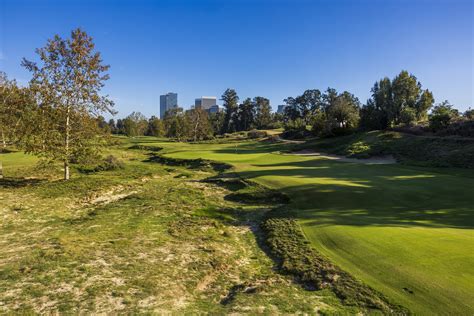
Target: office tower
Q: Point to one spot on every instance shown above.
(168, 101)
(205, 102)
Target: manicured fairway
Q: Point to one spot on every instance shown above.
(408, 232)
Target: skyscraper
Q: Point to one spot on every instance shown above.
(205, 103)
(281, 108)
(168, 101)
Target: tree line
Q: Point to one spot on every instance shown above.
(397, 102)
(59, 115)
(197, 124)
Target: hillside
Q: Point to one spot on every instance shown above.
(427, 151)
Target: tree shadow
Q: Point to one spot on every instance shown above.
(334, 193)
(252, 148)
(10, 183)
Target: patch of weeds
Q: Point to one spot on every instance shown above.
(359, 149)
(255, 193)
(18, 208)
(185, 227)
(146, 148)
(202, 164)
(183, 175)
(244, 288)
(229, 183)
(108, 164)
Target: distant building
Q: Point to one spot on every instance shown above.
(168, 101)
(205, 103)
(215, 109)
(281, 108)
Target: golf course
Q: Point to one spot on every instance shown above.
(405, 231)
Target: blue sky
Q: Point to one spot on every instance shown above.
(270, 48)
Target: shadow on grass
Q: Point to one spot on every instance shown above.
(253, 148)
(333, 193)
(18, 182)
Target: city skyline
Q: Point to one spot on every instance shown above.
(273, 49)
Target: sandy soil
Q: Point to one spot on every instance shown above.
(382, 160)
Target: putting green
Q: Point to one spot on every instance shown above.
(406, 231)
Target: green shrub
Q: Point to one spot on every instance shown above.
(256, 134)
(442, 115)
(111, 163)
(295, 129)
(408, 116)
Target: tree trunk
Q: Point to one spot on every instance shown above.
(195, 129)
(66, 159)
(66, 170)
(4, 142)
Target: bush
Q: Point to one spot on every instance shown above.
(469, 114)
(408, 116)
(414, 130)
(458, 128)
(442, 115)
(256, 134)
(111, 163)
(108, 164)
(319, 124)
(295, 129)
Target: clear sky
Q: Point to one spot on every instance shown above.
(270, 48)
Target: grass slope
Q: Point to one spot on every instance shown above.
(406, 231)
(427, 151)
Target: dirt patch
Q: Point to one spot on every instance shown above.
(110, 197)
(382, 160)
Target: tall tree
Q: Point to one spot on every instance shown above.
(155, 127)
(199, 126)
(397, 101)
(310, 103)
(67, 84)
(103, 125)
(344, 111)
(15, 103)
(120, 127)
(263, 117)
(246, 115)
(231, 104)
(382, 100)
(176, 124)
(217, 122)
(135, 124)
(406, 91)
(112, 126)
(423, 104)
(290, 111)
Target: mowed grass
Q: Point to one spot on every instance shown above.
(406, 231)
